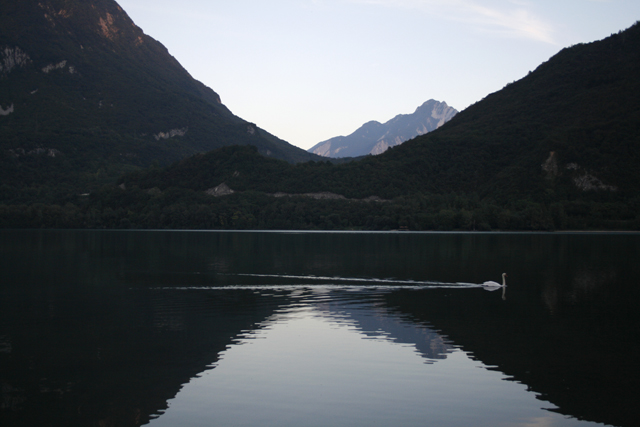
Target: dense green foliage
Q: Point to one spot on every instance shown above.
(175, 197)
(179, 208)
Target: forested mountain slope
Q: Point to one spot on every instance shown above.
(86, 95)
(573, 123)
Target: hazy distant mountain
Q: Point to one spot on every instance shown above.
(85, 94)
(375, 138)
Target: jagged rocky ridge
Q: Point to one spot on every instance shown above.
(375, 138)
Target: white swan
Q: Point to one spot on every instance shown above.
(495, 285)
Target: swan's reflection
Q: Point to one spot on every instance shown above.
(495, 288)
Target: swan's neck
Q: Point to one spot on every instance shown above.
(504, 280)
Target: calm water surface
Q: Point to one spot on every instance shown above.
(128, 328)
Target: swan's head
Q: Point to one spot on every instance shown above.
(504, 274)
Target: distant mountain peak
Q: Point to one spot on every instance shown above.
(375, 138)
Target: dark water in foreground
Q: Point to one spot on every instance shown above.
(125, 328)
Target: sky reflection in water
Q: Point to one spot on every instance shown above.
(315, 364)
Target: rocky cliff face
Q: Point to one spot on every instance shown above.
(375, 138)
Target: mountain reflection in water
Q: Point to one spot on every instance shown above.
(127, 328)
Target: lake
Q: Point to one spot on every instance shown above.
(199, 328)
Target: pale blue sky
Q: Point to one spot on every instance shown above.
(309, 70)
